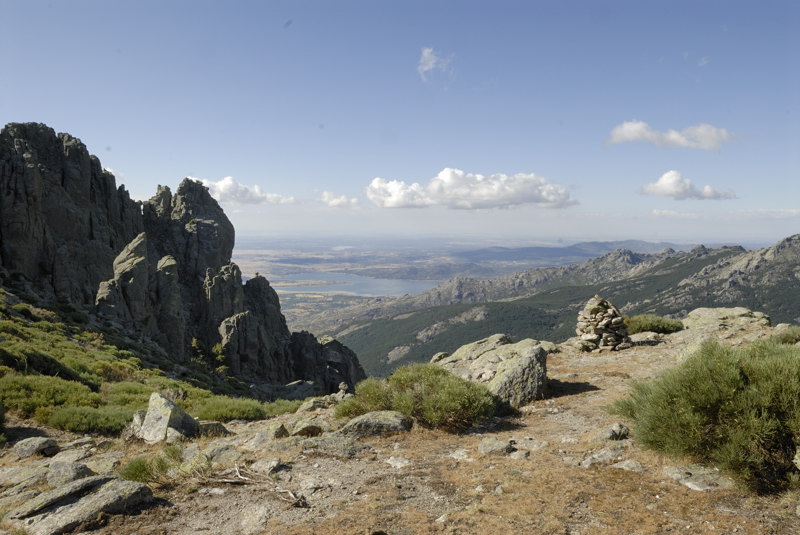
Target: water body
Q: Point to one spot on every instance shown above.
(337, 282)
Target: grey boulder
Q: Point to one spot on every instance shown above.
(164, 415)
(377, 423)
(514, 372)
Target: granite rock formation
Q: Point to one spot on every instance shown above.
(514, 372)
(160, 269)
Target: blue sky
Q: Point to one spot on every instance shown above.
(503, 120)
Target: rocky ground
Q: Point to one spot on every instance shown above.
(561, 466)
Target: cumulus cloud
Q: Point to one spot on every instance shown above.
(429, 61)
(672, 184)
(457, 189)
(701, 136)
(228, 190)
(338, 201)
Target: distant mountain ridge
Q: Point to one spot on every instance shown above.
(578, 251)
(611, 266)
(542, 303)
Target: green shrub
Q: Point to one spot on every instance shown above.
(106, 420)
(430, 394)
(29, 393)
(2, 425)
(652, 323)
(223, 409)
(281, 406)
(787, 336)
(26, 359)
(127, 394)
(736, 408)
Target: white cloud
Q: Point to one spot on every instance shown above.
(701, 136)
(228, 190)
(457, 189)
(338, 201)
(703, 61)
(430, 61)
(672, 184)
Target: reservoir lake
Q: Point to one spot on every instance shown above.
(338, 282)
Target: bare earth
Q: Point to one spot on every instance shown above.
(433, 482)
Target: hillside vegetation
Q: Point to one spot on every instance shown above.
(73, 377)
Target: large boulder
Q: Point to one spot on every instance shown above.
(31, 446)
(78, 503)
(514, 372)
(377, 423)
(724, 318)
(164, 415)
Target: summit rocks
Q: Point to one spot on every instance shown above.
(159, 270)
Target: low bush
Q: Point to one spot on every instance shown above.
(736, 408)
(430, 394)
(31, 393)
(652, 323)
(281, 406)
(127, 394)
(223, 409)
(106, 420)
(2, 425)
(790, 335)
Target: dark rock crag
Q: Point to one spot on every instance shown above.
(160, 268)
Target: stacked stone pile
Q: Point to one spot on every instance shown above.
(600, 324)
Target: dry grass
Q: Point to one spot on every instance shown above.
(546, 494)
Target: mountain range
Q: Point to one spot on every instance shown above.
(542, 303)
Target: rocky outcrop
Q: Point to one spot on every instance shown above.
(515, 373)
(165, 421)
(377, 423)
(600, 324)
(159, 270)
(62, 217)
(78, 503)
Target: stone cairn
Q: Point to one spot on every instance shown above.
(600, 325)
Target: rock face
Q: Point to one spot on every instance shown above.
(160, 269)
(725, 318)
(79, 502)
(515, 373)
(600, 324)
(62, 218)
